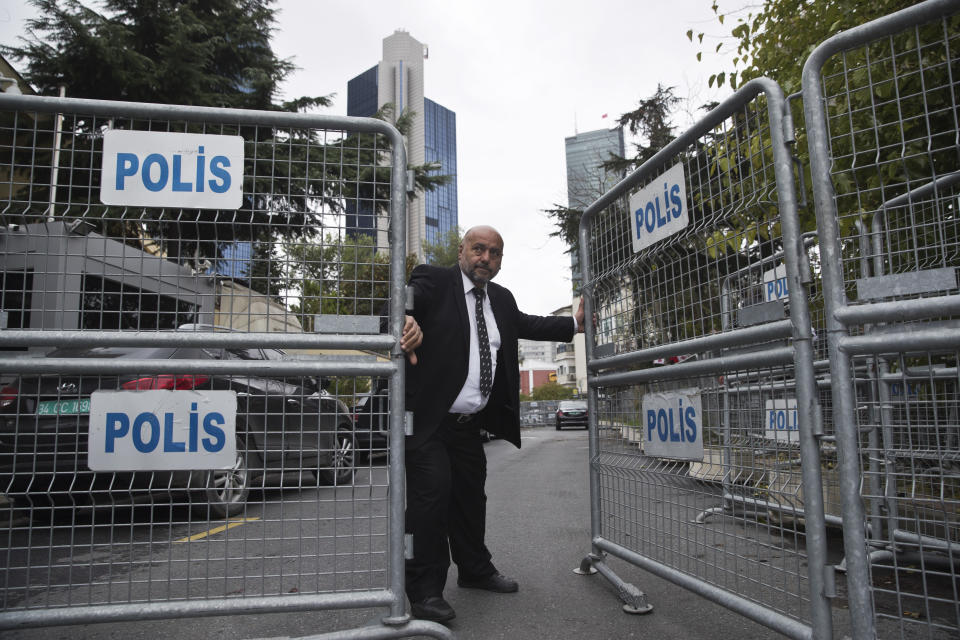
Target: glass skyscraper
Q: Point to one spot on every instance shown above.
(398, 79)
(362, 102)
(362, 94)
(587, 180)
(440, 145)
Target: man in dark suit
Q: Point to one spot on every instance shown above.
(466, 376)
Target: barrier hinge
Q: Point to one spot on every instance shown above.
(830, 581)
(408, 301)
(408, 423)
(408, 546)
(411, 181)
(806, 270)
(817, 420)
(789, 133)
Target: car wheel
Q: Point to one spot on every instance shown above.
(226, 490)
(344, 460)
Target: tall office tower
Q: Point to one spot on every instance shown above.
(587, 180)
(398, 80)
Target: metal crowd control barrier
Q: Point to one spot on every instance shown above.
(881, 108)
(696, 261)
(538, 413)
(190, 308)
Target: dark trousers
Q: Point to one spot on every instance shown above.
(446, 508)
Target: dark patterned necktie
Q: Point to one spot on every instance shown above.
(486, 371)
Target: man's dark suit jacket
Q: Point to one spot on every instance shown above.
(439, 306)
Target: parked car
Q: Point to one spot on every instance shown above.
(572, 413)
(372, 419)
(282, 424)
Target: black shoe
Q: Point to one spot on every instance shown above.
(498, 583)
(433, 608)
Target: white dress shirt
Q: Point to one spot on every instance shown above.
(470, 399)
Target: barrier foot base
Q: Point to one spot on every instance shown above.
(586, 567)
(413, 628)
(875, 557)
(634, 600)
(703, 515)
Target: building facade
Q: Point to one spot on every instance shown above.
(563, 356)
(587, 180)
(536, 350)
(398, 79)
(535, 374)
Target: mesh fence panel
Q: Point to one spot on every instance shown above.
(277, 303)
(887, 111)
(701, 319)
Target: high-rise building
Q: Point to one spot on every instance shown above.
(587, 180)
(536, 350)
(398, 79)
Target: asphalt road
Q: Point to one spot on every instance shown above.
(538, 531)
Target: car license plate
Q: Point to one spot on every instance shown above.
(63, 407)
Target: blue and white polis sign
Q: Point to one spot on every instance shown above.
(781, 420)
(162, 430)
(174, 170)
(659, 210)
(775, 284)
(673, 425)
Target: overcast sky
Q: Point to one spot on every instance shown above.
(521, 75)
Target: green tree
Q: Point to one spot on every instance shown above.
(551, 391)
(445, 251)
(194, 52)
(213, 53)
(340, 277)
(651, 125)
(731, 225)
(775, 39)
(869, 89)
(879, 129)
